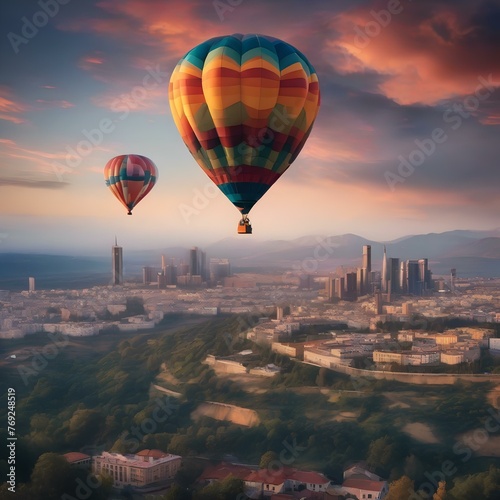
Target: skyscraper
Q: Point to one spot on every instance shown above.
(366, 271)
(31, 284)
(423, 273)
(194, 261)
(412, 276)
(367, 258)
(117, 263)
(394, 275)
(385, 272)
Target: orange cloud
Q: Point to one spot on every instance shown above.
(427, 53)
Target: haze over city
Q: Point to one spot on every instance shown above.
(406, 140)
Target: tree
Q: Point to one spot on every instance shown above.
(440, 494)
(228, 489)
(380, 453)
(177, 492)
(401, 488)
(267, 458)
(413, 468)
(51, 477)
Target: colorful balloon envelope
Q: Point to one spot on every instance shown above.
(130, 178)
(244, 106)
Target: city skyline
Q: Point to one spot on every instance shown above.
(405, 140)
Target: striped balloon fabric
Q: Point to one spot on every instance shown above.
(130, 178)
(244, 105)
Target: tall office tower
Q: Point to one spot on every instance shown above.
(393, 271)
(149, 275)
(330, 288)
(453, 277)
(203, 266)
(117, 263)
(350, 286)
(162, 280)
(194, 261)
(378, 302)
(164, 264)
(31, 284)
(171, 273)
(361, 281)
(412, 278)
(423, 275)
(340, 288)
(403, 276)
(384, 276)
(367, 258)
(279, 313)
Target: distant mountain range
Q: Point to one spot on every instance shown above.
(472, 253)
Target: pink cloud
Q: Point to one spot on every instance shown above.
(54, 103)
(427, 54)
(10, 108)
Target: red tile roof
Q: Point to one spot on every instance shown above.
(364, 484)
(75, 456)
(308, 477)
(221, 471)
(267, 476)
(152, 453)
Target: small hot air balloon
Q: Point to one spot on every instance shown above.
(130, 178)
(244, 106)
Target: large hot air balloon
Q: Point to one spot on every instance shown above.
(244, 106)
(130, 178)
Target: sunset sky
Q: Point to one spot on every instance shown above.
(407, 139)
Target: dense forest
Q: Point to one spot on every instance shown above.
(95, 394)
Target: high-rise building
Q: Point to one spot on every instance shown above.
(360, 280)
(203, 266)
(384, 277)
(367, 258)
(194, 261)
(340, 288)
(403, 276)
(117, 263)
(378, 302)
(149, 275)
(279, 313)
(413, 286)
(453, 277)
(171, 272)
(31, 284)
(350, 286)
(219, 269)
(393, 271)
(423, 274)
